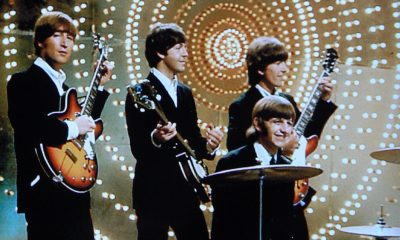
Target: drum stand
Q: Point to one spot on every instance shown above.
(381, 223)
(380, 231)
(262, 176)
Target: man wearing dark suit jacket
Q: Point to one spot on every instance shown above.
(51, 212)
(237, 204)
(266, 63)
(162, 197)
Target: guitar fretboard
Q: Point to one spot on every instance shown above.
(309, 109)
(91, 97)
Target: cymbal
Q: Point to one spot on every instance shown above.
(377, 230)
(274, 173)
(388, 154)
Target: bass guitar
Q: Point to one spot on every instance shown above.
(193, 170)
(74, 164)
(307, 146)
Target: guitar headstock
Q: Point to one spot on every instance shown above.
(142, 95)
(100, 44)
(330, 60)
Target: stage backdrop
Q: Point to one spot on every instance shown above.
(367, 82)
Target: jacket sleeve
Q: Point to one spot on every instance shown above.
(99, 103)
(27, 116)
(322, 113)
(239, 122)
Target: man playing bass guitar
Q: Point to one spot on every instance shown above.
(51, 212)
(162, 197)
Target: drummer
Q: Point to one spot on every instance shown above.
(236, 206)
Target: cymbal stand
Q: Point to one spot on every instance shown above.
(381, 223)
(262, 177)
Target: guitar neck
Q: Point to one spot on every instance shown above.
(94, 85)
(309, 109)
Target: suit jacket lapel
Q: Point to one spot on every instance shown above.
(254, 95)
(166, 102)
(249, 156)
(180, 94)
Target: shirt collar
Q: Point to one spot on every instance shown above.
(58, 77)
(263, 156)
(166, 82)
(264, 92)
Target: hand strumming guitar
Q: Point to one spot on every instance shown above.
(291, 144)
(85, 124)
(214, 137)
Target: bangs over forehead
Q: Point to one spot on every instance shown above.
(52, 22)
(274, 107)
(161, 38)
(268, 50)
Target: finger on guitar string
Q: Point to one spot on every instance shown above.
(327, 88)
(106, 72)
(214, 136)
(164, 133)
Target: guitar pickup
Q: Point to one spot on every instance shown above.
(71, 155)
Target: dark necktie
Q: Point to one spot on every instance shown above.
(272, 161)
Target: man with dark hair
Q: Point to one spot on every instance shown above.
(266, 64)
(237, 205)
(50, 211)
(162, 197)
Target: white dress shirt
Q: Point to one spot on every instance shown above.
(263, 156)
(264, 92)
(170, 85)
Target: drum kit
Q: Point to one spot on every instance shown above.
(287, 173)
(272, 173)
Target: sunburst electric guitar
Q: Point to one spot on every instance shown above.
(74, 164)
(193, 170)
(307, 146)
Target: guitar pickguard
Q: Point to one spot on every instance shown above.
(299, 155)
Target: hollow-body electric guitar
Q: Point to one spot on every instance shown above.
(193, 170)
(307, 146)
(74, 164)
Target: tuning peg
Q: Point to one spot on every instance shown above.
(158, 97)
(142, 110)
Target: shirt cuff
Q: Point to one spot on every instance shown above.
(152, 140)
(73, 130)
(100, 88)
